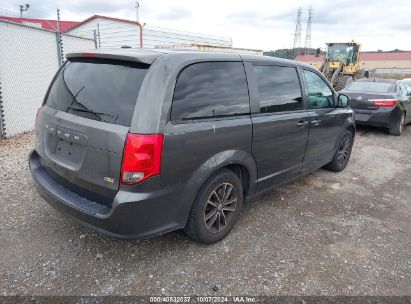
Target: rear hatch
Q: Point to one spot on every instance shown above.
(81, 129)
(365, 101)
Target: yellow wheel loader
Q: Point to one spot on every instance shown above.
(341, 65)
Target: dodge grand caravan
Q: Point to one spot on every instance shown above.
(136, 143)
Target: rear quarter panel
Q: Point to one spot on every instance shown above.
(193, 151)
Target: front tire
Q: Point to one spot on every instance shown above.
(216, 208)
(398, 127)
(343, 153)
(342, 82)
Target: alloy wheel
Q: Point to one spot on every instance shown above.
(344, 151)
(220, 207)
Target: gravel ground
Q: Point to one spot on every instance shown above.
(325, 234)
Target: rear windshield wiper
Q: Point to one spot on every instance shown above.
(89, 111)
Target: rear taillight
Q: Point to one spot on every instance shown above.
(142, 157)
(384, 102)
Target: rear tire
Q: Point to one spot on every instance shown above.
(216, 208)
(398, 127)
(342, 82)
(343, 153)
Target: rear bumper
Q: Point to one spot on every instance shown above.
(383, 117)
(131, 216)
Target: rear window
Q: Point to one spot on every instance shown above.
(370, 86)
(210, 89)
(278, 88)
(103, 90)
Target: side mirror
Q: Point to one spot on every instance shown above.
(342, 101)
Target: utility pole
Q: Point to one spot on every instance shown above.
(60, 54)
(58, 21)
(297, 33)
(23, 9)
(137, 7)
(307, 44)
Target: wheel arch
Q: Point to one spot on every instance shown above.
(243, 174)
(240, 162)
(351, 127)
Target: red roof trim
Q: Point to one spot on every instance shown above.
(45, 24)
(309, 58)
(107, 18)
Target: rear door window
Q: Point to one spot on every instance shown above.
(103, 90)
(210, 89)
(278, 88)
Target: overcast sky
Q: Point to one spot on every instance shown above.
(259, 24)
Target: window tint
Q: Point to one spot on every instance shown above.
(278, 88)
(210, 89)
(319, 94)
(103, 90)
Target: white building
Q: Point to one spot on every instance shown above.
(210, 48)
(114, 32)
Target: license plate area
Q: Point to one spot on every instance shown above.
(64, 147)
(69, 151)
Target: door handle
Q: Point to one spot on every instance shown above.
(302, 123)
(316, 122)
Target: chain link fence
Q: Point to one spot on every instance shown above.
(29, 58)
(72, 44)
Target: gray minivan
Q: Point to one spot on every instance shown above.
(136, 143)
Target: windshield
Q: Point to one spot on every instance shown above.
(340, 52)
(370, 86)
(103, 90)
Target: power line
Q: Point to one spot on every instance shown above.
(297, 33)
(307, 44)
